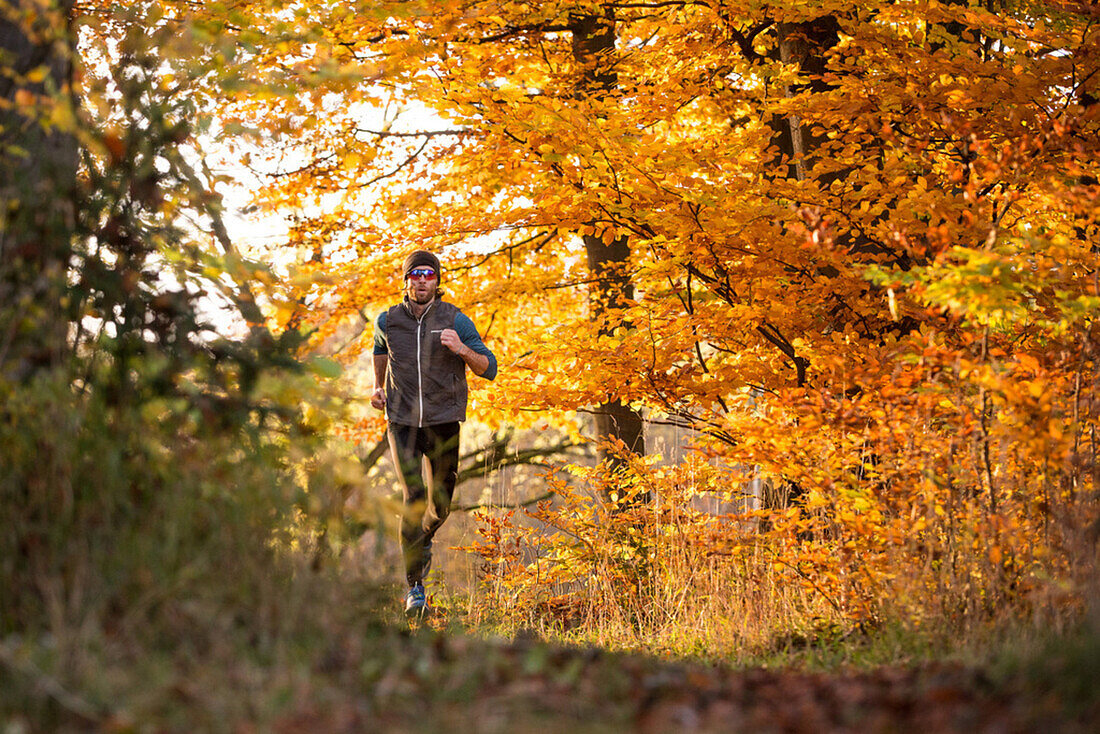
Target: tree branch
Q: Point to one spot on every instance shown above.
(492, 506)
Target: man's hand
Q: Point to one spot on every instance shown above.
(378, 398)
(477, 362)
(452, 341)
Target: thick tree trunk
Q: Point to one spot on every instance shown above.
(38, 165)
(804, 44)
(593, 42)
(612, 288)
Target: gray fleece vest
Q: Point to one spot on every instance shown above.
(425, 381)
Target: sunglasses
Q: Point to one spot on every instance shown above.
(421, 274)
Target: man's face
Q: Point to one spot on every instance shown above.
(420, 284)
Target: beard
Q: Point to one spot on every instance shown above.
(421, 297)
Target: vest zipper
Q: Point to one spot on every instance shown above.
(419, 377)
(419, 374)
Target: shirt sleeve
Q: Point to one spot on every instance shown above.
(380, 335)
(467, 332)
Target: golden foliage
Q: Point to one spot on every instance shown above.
(862, 245)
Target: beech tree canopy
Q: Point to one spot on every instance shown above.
(852, 245)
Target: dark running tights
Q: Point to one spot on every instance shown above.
(424, 457)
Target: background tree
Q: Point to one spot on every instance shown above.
(145, 432)
(608, 255)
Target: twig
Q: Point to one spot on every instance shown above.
(490, 505)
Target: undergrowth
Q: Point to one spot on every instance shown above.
(162, 571)
(150, 560)
(633, 561)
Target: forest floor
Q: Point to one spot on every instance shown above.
(346, 670)
(393, 679)
(452, 683)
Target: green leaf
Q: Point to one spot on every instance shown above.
(325, 367)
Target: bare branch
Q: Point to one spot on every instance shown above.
(418, 133)
(493, 506)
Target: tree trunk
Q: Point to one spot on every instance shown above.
(38, 166)
(804, 44)
(593, 42)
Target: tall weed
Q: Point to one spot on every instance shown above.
(665, 575)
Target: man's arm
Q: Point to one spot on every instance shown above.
(464, 341)
(479, 363)
(381, 361)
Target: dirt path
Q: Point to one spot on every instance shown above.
(456, 685)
